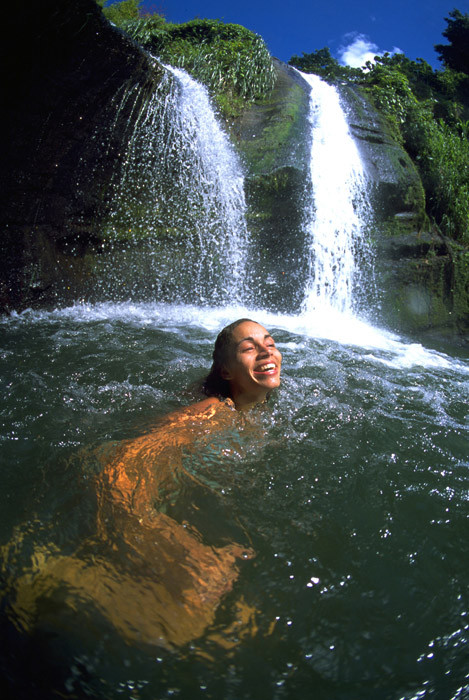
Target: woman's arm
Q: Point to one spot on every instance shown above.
(141, 470)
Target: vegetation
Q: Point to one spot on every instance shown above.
(322, 63)
(121, 11)
(455, 55)
(428, 110)
(233, 62)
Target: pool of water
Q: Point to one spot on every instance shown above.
(350, 489)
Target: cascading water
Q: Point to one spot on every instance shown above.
(337, 212)
(218, 179)
(181, 180)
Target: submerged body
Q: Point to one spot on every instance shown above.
(154, 579)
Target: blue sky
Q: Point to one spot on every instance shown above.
(353, 31)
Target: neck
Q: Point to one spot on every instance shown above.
(244, 402)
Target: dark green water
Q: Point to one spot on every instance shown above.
(355, 502)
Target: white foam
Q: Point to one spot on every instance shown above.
(378, 344)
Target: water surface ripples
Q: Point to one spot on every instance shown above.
(351, 487)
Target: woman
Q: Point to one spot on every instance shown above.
(153, 578)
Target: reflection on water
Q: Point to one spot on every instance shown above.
(347, 496)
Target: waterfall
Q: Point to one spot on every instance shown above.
(336, 212)
(178, 198)
(182, 183)
(218, 181)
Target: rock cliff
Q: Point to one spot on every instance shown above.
(63, 64)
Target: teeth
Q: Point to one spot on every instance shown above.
(264, 368)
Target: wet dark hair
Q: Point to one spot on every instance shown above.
(214, 384)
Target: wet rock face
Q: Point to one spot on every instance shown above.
(398, 197)
(64, 62)
(420, 273)
(271, 134)
(272, 138)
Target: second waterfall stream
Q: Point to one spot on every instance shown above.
(336, 215)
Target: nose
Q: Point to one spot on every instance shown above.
(263, 349)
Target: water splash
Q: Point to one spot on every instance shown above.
(218, 181)
(337, 212)
(180, 188)
(379, 346)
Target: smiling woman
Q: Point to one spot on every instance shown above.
(246, 364)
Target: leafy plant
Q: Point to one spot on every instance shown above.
(423, 109)
(119, 12)
(442, 154)
(233, 62)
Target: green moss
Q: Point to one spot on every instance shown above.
(270, 132)
(460, 287)
(229, 105)
(267, 191)
(262, 149)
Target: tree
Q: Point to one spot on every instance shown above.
(322, 63)
(455, 55)
(121, 11)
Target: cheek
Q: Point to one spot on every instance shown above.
(234, 369)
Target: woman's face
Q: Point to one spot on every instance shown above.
(254, 367)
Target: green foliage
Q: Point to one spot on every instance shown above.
(323, 64)
(122, 11)
(455, 55)
(442, 153)
(231, 61)
(423, 109)
(145, 29)
(391, 93)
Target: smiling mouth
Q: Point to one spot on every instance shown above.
(268, 367)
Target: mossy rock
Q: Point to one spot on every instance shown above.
(460, 288)
(397, 192)
(275, 220)
(424, 282)
(270, 133)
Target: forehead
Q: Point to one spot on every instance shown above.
(249, 329)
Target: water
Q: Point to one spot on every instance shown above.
(353, 496)
(176, 202)
(347, 493)
(337, 213)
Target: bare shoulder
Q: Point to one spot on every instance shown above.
(201, 407)
(201, 410)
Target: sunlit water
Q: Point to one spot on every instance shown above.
(337, 213)
(354, 499)
(176, 210)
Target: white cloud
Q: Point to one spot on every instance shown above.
(359, 50)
